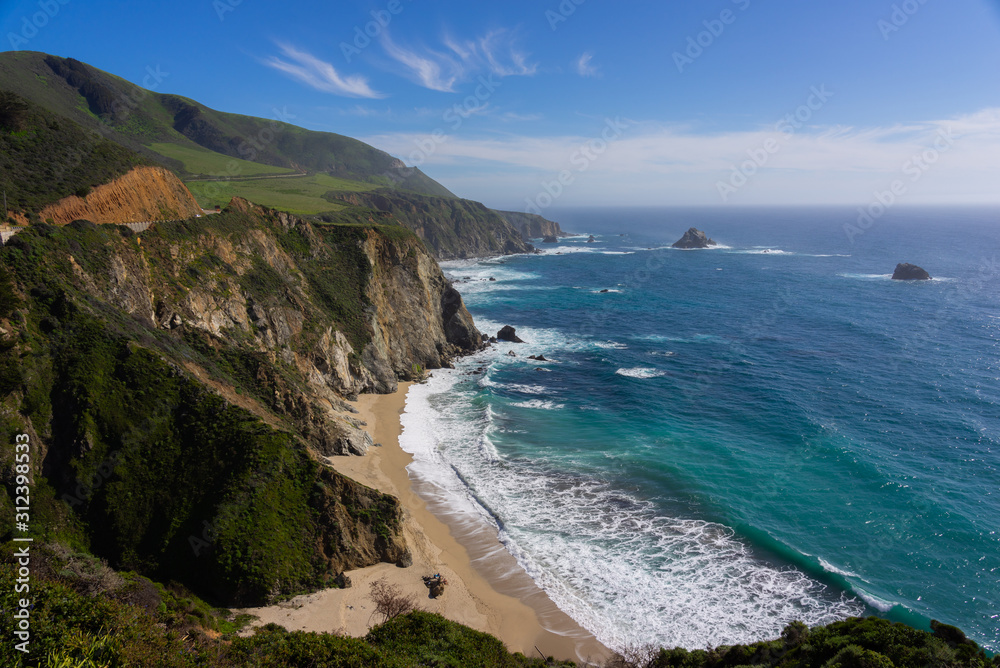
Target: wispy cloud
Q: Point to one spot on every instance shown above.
(319, 74)
(583, 66)
(495, 53)
(430, 69)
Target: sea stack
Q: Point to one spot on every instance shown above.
(508, 333)
(694, 238)
(909, 272)
(549, 239)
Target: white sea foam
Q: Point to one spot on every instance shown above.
(867, 277)
(541, 404)
(641, 372)
(830, 568)
(526, 389)
(610, 345)
(611, 561)
(880, 604)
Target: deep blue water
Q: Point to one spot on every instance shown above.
(732, 439)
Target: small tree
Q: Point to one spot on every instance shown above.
(634, 656)
(390, 602)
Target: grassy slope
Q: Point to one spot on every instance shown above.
(302, 195)
(201, 162)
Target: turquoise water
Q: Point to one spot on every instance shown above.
(732, 439)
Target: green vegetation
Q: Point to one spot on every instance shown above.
(854, 643)
(44, 158)
(203, 162)
(148, 468)
(86, 614)
(302, 195)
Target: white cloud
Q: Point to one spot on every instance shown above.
(583, 66)
(494, 52)
(431, 69)
(319, 74)
(657, 164)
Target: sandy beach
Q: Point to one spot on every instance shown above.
(487, 590)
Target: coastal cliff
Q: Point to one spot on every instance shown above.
(452, 228)
(143, 194)
(532, 226)
(184, 388)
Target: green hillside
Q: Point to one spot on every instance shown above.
(44, 157)
(145, 121)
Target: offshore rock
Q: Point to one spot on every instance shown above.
(909, 272)
(694, 238)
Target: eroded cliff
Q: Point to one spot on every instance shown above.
(143, 194)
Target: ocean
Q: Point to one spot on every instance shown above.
(723, 441)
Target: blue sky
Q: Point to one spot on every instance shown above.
(581, 102)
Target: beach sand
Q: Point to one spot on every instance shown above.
(487, 590)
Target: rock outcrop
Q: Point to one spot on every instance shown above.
(532, 226)
(694, 238)
(550, 239)
(143, 194)
(909, 272)
(509, 334)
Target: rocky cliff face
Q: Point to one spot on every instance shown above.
(217, 353)
(532, 226)
(143, 194)
(452, 228)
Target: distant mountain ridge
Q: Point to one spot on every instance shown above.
(221, 155)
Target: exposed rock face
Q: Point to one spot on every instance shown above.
(143, 194)
(508, 333)
(549, 239)
(414, 317)
(694, 238)
(532, 226)
(909, 272)
(591, 240)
